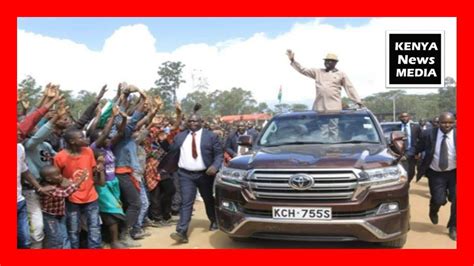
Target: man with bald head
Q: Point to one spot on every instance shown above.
(439, 165)
(413, 133)
(200, 156)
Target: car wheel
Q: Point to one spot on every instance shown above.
(240, 239)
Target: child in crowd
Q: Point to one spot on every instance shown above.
(71, 161)
(53, 206)
(107, 185)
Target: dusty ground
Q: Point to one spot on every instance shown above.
(423, 234)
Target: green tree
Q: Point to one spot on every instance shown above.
(282, 108)
(170, 78)
(31, 89)
(447, 96)
(298, 107)
(79, 104)
(234, 102)
(201, 97)
(263, 108)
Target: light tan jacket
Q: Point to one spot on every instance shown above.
(328, 87)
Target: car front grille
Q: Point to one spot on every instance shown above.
(328, 185)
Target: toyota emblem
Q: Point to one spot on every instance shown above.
(301, 181)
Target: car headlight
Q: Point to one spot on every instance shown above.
(382, 177)
(231, 176)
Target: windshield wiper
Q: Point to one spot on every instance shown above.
(294, 143)
(356, 142)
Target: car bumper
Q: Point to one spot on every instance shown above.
(240, 223)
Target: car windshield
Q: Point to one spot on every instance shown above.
(320, 129)
(391, 127)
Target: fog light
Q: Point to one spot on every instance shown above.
(388, 208)
(229, 206)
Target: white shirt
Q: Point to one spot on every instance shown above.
(241, 149)
(408, 132)
(21, 167)
(451, 152)
(186, 160)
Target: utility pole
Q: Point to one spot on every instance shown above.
(393, 104)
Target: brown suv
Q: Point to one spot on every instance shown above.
(317, 177)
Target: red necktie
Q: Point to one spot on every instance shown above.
(194, 150)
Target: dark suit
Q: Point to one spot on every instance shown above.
(410, 163)
(442, 184)
(190, 181)
(231, 145)
(254, 133)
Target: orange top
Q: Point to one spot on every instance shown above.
(71, 167)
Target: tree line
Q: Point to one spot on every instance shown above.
(240, 101)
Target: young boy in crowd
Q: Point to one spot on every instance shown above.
(71, 161)
(53, 206)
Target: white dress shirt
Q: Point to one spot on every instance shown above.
(241, 149)
(451, 151)
(186, 160)
(408, 132)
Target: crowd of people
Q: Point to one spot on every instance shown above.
(109, 175)
(124, 166)
(430, 150)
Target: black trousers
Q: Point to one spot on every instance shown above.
(160, 200)
(190, 182)
(410, 164)
(443, 186)
(130, 197)
(176, 201)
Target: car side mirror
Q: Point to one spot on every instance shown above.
(397, 142)
(245, 140)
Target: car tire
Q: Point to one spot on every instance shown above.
(240, 239)
(397, 243)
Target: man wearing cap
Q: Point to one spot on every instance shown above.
(328, 90)
(328, 83)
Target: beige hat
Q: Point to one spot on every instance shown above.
(331, 56)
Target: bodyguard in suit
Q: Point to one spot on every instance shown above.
(252, 131)
(439, 165)
(413, 133)
(231, 145)
(199, 156)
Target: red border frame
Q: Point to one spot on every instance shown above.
(11, 256)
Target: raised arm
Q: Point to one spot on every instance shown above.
(95, 122)
(108, 127)
(179, 115)
(30, 121)
(89, 112)
(120, 129)
(305, 71)
(44, 131)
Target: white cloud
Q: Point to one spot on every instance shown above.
(258, 63)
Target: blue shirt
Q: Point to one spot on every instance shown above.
(126, 149)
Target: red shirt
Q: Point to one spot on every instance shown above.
(54, 204)
(30, 121)
(71, 167)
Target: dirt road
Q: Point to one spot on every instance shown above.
(423, 234)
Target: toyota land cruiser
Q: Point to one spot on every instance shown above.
(297, 183)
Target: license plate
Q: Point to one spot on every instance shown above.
(302, 213)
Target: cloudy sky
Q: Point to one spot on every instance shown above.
(85, 53)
